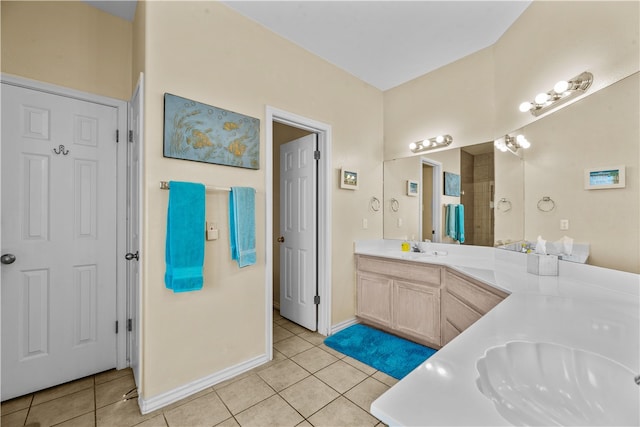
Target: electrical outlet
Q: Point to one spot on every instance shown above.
(399, 222)
(564, 224)
(365, 223)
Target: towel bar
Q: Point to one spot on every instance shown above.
(164, 185)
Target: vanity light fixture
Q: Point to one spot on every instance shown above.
(431, 143)
(511, 143)
(562, 92)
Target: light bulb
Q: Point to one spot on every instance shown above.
(541, 98)
(413, 146)
(525, 106)
(439, 139)
(503, 148)
(561, 87)
(522, 141)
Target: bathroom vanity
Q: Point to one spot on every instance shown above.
(516, 347)
(429, 304)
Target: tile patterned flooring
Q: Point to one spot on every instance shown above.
(306, 384)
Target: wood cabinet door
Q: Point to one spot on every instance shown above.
(374, 298)
(416, 311)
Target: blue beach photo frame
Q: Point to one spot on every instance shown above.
(451, 184)
(204, 133)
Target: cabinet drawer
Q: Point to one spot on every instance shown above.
(411, 271)
(472, 293)
(458, 313)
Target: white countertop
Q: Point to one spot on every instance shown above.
(584, 307)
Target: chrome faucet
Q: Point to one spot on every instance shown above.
(416, 247)
(637, 379)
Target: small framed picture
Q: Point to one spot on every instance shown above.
(605, 177)
(349, 178)
(412, 188)
(451, 184)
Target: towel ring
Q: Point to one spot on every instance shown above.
(395, 205)
(374, 204)
(507, 204)
(546, 200)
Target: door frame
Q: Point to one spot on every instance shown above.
(121, 193)
(135, 312)
(323, 131)
(435, 200)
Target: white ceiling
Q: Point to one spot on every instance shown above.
(384, 43)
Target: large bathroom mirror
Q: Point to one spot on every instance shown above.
(541, 192)
(491, 189)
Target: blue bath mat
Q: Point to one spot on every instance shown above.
(387, 353)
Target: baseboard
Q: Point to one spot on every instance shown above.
(178, 393)
(276, 305)
(342, 325)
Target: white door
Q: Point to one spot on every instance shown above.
(59, 221)
(298, 218)
(133, 230)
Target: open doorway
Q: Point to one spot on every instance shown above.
(294, 224)
(322, 131)
(431, 212)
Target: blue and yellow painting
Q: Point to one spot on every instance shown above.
(202, 133)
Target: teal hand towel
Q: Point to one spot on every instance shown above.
(450, 222)
(460, 223)
(242, 225)
(184, 255)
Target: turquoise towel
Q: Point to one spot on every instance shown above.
(184, 254)
(450, 222)
(242, 225)
(460, 223)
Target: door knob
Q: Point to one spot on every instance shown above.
(281, 239)
(8, 258)
(131, 256)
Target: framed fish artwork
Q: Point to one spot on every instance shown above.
(203, 133)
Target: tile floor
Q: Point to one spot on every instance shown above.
(306, 384)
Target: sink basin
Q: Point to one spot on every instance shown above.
(549, 384)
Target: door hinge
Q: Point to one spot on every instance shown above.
(316, 155)
(116, 326)
(129, 325)
(316, 299)
(130, 136)
(117, 135)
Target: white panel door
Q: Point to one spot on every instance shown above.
(298, 219)
(59, 221)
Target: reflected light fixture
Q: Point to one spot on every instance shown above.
(511, 143)
(562, 91)
(431, 143)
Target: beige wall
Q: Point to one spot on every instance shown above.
(207, 52)
(456, 99)
(138, 42)
(70, 44)
(556, 40)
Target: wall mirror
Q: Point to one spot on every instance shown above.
(486, 176)
(599, 130)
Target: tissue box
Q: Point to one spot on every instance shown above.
(542, 265)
